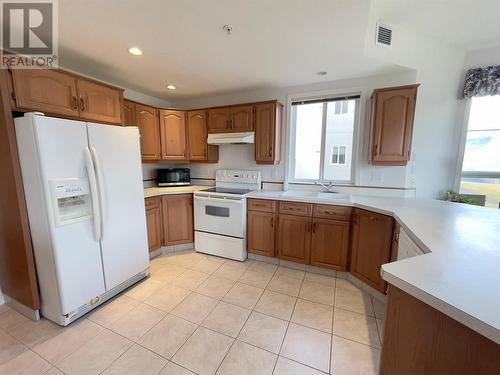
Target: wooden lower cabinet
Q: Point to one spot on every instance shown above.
(261, 233)
(330, 243)
(371, 246)
(419, 339)
(294, 238)
(177, 213)
(154, 223)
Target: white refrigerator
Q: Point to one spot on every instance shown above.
(84, 194)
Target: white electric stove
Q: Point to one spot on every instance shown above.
(220, 214)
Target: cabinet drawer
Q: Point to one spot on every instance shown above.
(152, 202)
(296, 208)
(332, 212)
(263, 205)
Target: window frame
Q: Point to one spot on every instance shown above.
(290, 154)
(338, 155)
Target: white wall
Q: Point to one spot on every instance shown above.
(242, 157)
(481, 58)
(439, 71)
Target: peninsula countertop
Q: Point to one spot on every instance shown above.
(459, 272)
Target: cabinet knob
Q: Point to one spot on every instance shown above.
(82, 104)
(75, 103)
(270, 151)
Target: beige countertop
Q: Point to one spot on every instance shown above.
(459, 272)
(155, 191)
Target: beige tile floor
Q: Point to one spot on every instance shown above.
(199, 314)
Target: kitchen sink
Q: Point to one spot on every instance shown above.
(334, 196)
(300, 193)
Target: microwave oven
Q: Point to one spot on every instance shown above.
(173, 176)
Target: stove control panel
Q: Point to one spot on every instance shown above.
(239, 176)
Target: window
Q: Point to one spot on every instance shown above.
(481, 163)
(322, 134)
(338, 155)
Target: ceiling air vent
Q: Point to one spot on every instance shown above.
(384, 35)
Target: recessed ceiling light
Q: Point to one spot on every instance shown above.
(322, 73)
(135, 51)
(171, 87)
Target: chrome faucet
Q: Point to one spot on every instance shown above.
(328, 187)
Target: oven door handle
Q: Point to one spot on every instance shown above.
(213, 198)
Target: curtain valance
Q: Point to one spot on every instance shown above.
(482, 81)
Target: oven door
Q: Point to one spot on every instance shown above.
(220, 215)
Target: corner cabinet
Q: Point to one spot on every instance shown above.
(177, 213)
(371, 246)
(57, 92)
(393, 110)
(149, 129)
(129, 116)
(173, 135)
(198, 149)
(154, 223)
(268, 118)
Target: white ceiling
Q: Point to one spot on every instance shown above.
(274, 43)
(470, 24)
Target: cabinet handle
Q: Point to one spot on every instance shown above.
(373, 218)
(270, 151)
(272, 222)
(308, 227)
(396, 237)
(75, 103)
(376, 149)
(82, 104)
(314, 227)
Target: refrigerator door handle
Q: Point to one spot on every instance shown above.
(100, 186)
(96, 215)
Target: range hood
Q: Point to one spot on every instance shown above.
(234, 138)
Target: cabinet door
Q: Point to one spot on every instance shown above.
(393, 125)
(155, 229)
(177, 219)
(261, 232)
(218, 120)
(98, 102)
(149, 128)
(267, 133)
(330, 243)
(197, 135)
(129, 116)
(241, 119)
(294, 238)
(45, 90)
(371, 246)
(173, 135)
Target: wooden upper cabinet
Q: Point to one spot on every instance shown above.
(218, 120)
(198, 149)
(99, 103)
(268, 132)
(393, 110)
(330, 243)
(371, 246)
(241, 118)
(261, 233)
(149, 129)
(45, 90)
(177, 219)
(173, 135)
(129, 117)
(294, 238)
